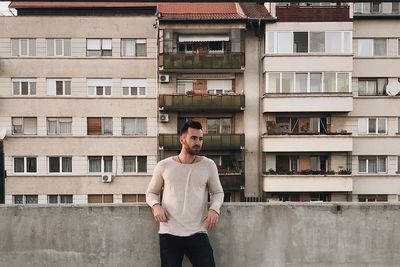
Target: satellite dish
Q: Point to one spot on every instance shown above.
(393, 88)
(2, 134)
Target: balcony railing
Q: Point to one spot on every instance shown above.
(313, 13)
(210, 142)
(232, 181)
(183, 61)
(202, 103)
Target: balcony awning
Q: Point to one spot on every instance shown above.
(203, 38)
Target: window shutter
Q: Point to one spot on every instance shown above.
(108, 199)
(362, 125)
(67, 47)
(93, 44)
(30, 125)
(51, 87)
(50, 47)
(32, 47)
(93, 126)
(15, 47)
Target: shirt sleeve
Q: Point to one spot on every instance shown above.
(215, 189)
(154, 189)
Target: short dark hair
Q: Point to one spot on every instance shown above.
(190, 124)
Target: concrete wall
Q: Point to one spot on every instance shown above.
(249, 235)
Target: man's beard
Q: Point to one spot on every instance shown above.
(195, 150)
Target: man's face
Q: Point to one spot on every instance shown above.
(192, 141)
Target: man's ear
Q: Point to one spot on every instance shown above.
(182, 139)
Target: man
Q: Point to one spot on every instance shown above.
(186, 180)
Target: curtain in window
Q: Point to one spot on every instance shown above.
(65, 198)
(362, 165)
(226, 125)
(372, 166)
(128, 126)
(317, 42)
(94, 164)
(30, 164)
(128, 48)
(129, 164)
(17, 125)
(107, 125)
(381, 164)
(18, 164)
(65, 125)
(141, 48)
(142, 164)
(107, 164)
(67, 164)
(142, 126)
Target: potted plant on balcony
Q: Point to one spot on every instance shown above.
(190, 93)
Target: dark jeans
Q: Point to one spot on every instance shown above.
(196, 247)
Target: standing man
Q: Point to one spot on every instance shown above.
(186, 180)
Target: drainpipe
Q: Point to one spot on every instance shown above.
(2, 174)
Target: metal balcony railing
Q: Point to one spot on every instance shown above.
(210, 142)
(176, 61)
(203, 103)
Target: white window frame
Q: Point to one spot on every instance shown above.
(22, 125)
(364, 122)
(59, 198)
(342, 42)
(20, 81)
(134, 83)
(27, 46)
(223, 90)
(92, 84)
(136, 127)
(398, 47)
(136, 164)
(102, 164)
(296, 91)
(102, 125)
(52, 87)
(58, 120)
(25, 164)
(377, 165)
(60, 158)
(373, 45)
(101, 49)
(24, 199)
(54, 41)
(136, 41)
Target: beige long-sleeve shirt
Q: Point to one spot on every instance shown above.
(185, 194)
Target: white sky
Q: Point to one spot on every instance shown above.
(4, 11)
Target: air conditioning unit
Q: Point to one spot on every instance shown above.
(107, 178)
(164, 118)
(164, 78)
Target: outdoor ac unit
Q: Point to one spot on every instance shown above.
(107, 178)
(164, 78)
(164, 118)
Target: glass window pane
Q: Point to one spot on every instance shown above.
(67, 89)
(287, 82)
(382, 86)
(54, 164)
(347, 42)
(65, 127)
(50, 47)
(129, 164)
(142, 90)
(52, 199)
(108, 164)
(271, 42)
(67, 47)
(365, 47)
(16, 88)
(31, 199)
(141, 49)
(30, 125)
(59, 88)
(317, 42)
(213, 126)
(108, 90)
(93, 44)
(372, 125)
(99, 90)
(142, 126)
(333, 42)
(128, 47)
(67, 164)
(32, 47)
(24, 88)
(362, 165)
(343, 82)
(226, 126)
(107, 126)
(380, 47)
(59, 47)
(128, 126)
(329, 82)
(381, 164)
(372, 166)
(285, 42)
(32, 86)
(134, 91)
(94, 164)
(315, 82)
(24, 47)
(273, 82)
(18, 199)
(381, 125)
(65, 199)
(300, 42)
(301, 82)
(51, 126)
(106, 44)
(30, 164)
(18, 164)
(142, 164)
(125, 90)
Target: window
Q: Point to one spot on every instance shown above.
(219, 126)
(58, 47)
(59, 199)
(135, 163)
(58, 86)
(219, 86)
(134, 126)
(367, 7)
(100, 163)
(303, 82)
(25, 165)
(398, 164)
(372, 125)
(133, 198)
(99, 87)
(372, 198)
(99, 126)
(373, 86)
(25, 199)
(60, 164)
(134, 87)
(398, 124)
(372, 47)
(98, 47)
(24, 86)
(398, 46)
(24, 125)
(133, 47)
(23, 47)
(98, 198)
(59, 126)
(309, 42)
(372, 164)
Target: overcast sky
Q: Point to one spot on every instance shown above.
(4, 11)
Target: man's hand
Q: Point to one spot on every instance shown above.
(211, 219)
(160, 214)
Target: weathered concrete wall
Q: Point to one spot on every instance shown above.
(249, 235)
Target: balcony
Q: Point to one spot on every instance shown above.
(307, 143)
(232, 181)
(337, 102)
(211, 142)
(307, 183)
(202, 103)
(312, 13)
(187, 62)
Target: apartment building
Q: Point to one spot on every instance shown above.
(209, 71)
(79, 102)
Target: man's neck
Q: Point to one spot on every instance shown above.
(186, 158)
